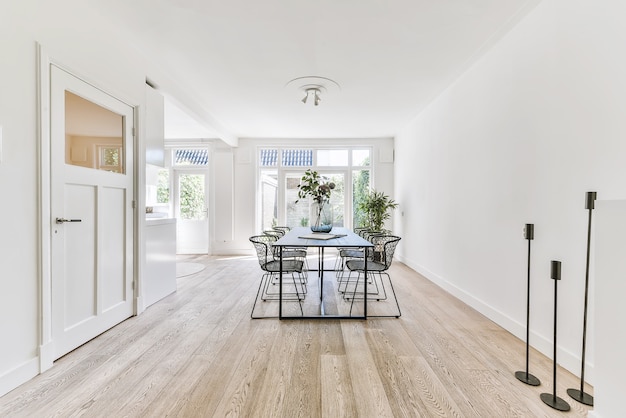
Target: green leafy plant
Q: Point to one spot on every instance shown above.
(318, 188)
(360, 190)
(191, 197)
(163, 186)
(377, 207)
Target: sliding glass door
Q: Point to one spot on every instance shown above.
(301, 213)
(280, 171)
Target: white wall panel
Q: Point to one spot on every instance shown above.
(224, 183)
(112, 204)
(80, 281)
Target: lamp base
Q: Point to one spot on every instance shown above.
(581, 397)
(554, 402)
(527, 378)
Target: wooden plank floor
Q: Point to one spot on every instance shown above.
(197, 353)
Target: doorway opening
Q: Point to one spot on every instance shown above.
(183, 192)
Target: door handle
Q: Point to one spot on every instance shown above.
(61, 220)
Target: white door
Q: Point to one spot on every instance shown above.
(91, 198)
(191, 208)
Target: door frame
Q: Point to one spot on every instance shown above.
(44, 224)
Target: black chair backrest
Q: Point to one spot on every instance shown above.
(263, 246)
(284, 229)
(384, 247)
(275, 232)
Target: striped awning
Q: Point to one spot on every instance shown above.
(198, 157)
(297, 157)
(269, 157)
(290, 157)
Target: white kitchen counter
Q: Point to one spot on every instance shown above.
(159, 221)
(159, 279)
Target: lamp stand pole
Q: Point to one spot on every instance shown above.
(551, 399)
(580, 395)
(529, 379)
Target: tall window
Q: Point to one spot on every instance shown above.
(280, 170)
(360, 183)
(296, 214)
(191, 165)
(269, 199)
(163, 186)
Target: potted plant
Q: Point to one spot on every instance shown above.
(377, 208)
(314, 185)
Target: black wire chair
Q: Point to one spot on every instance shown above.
(284, 229)
(298, 253)
(345, 254)
(379, 259)
(270, 264)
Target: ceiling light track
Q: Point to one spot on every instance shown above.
(312, 87)
(315, 93)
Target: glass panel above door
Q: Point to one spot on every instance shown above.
(332, 157)
(297, 157)
(198, 157)
(94, 135)
(361, 157)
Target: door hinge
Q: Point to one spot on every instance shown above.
(134, 204)
(133, 129)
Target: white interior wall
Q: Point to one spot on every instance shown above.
(18, 245)
(520, 138)
(78, 38)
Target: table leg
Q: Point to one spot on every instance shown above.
(280, 284)
(321, 272)
(365, 284)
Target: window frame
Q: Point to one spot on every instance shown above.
(283, 171)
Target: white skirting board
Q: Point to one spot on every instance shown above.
(19, 375)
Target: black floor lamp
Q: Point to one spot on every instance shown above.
(551, 399)
(576, 394)
(529, 379)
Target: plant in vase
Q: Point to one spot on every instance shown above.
(316, 186)
(376, 207)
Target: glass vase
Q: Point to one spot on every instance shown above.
(322, 218)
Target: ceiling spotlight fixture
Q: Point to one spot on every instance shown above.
(312, 87)
(312, 91)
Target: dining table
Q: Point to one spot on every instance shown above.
(337, 238)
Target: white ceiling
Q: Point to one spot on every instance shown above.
(180, 125)
(231, 59)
